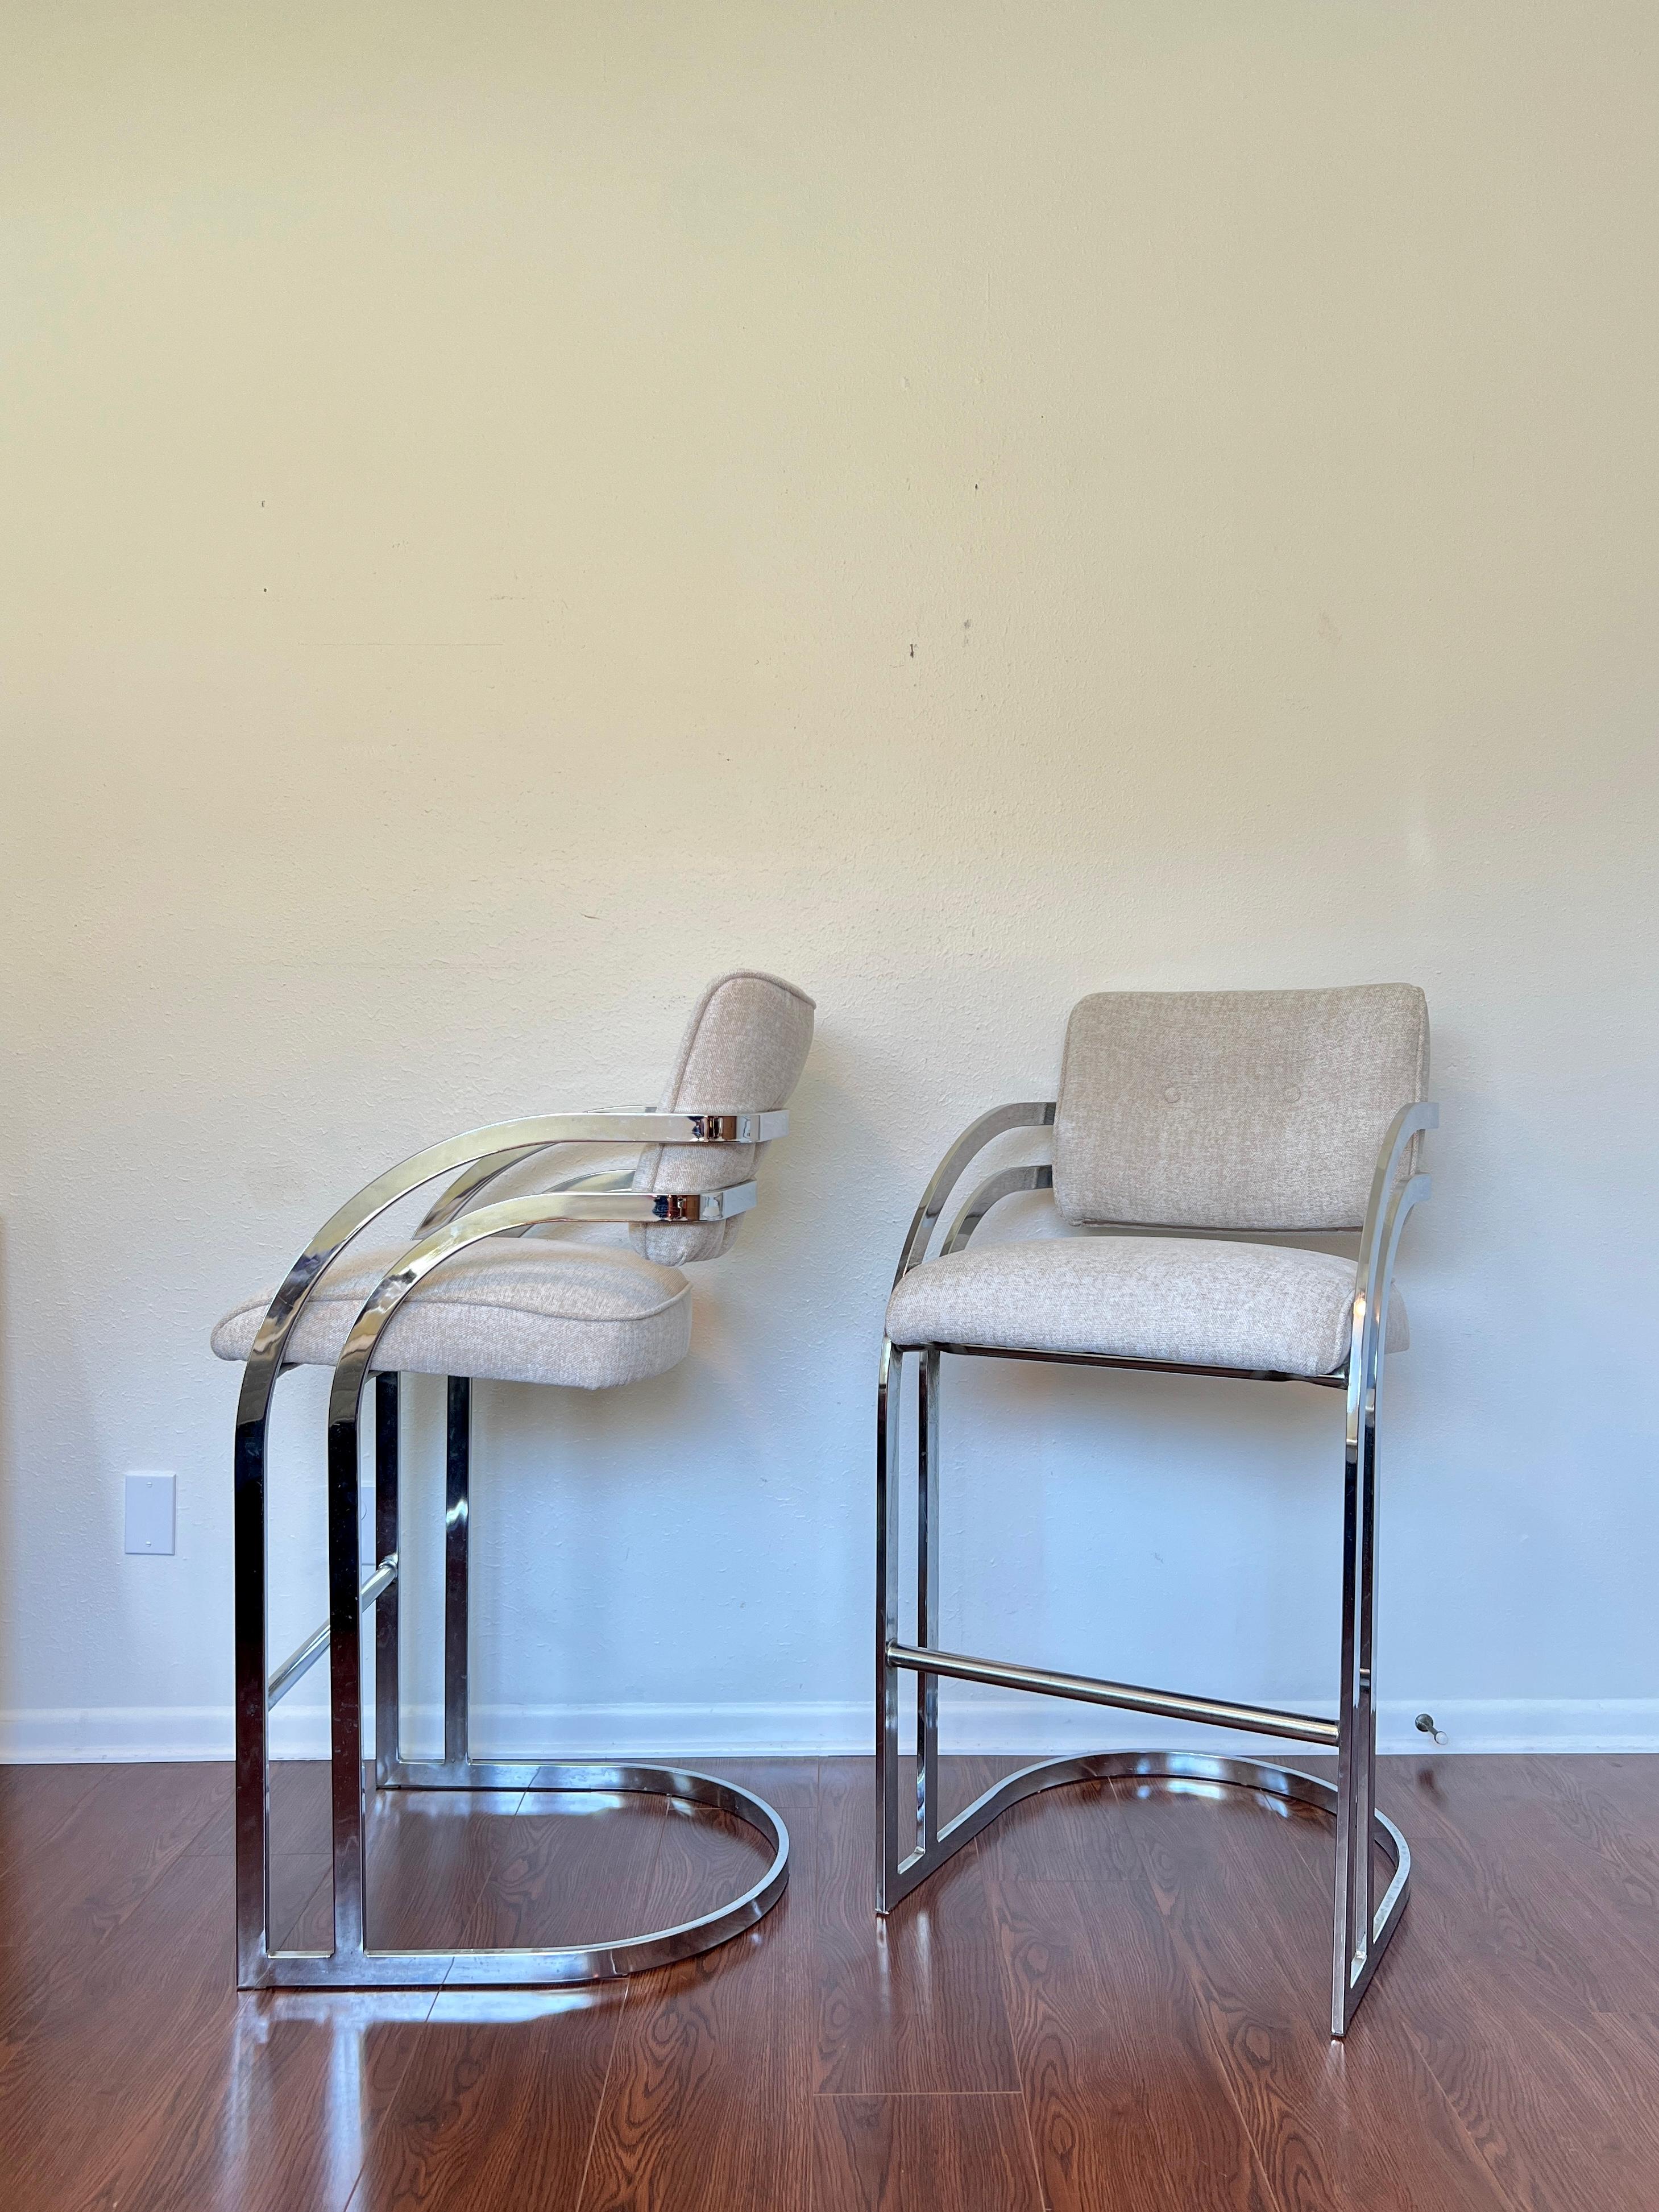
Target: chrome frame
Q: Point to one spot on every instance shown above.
(1361, 1924)
(451, 1224)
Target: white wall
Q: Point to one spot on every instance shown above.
(509, 511)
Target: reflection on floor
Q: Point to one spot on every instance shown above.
(1115, 1999)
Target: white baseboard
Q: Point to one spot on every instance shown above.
(1010, 1726)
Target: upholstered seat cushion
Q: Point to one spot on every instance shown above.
(1199, 1302)
(531, 1310)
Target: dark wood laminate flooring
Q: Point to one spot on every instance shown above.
(1113, 2000)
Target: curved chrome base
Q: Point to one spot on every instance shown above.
(569, 1964)
(1261, 1776)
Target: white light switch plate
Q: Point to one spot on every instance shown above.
(150, 1515)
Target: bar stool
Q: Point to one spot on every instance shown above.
(1188, 1126)
(462, 1303)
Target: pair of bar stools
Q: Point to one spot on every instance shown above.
(1189, 1125)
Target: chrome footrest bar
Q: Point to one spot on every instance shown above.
(1172, 1705)
(300, 1661)
(346, 1968)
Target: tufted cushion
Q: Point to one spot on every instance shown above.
(1233, 1109)
(531, 1310)
(1200, 1302)
(745, 1045)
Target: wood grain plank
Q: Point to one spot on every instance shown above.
(914, 2153)
(271, 2106)
(565, 1861)
(73, 1892)
(707, 2107)
(149, 2084)
(90, 2040)
(1245, 1887)
(1506, 2057)
(126, 1831)
(1127, 2104)
(37, 1804)
(1564, 1874)
(430, 1855)
(1526, 1999)
(497, 2104)
(915, 2003)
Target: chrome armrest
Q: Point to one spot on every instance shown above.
(746, 1127)
(511, 1216)
(494, 1149)
(1029, 1114)
(1386, 1210)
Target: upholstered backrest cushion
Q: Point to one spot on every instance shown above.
(745, 1045)
(1234, 1110)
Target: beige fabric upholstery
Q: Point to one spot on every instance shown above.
(1200, 1302)
(745, 1045)
(530, 1310)
(1234, 1110)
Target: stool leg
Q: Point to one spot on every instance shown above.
(1364, 1709)
(345, 1673)
(457, 1459)
(927, 1795)
(889, 1389)
(252, 1738)
(1356, 1766)
(387, 1701)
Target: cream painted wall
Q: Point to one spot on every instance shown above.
(510, 511)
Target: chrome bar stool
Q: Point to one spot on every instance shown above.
(1189, 1125)
(461, 1302)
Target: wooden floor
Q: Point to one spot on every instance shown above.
(1110, 2000)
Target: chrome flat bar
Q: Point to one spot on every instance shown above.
(1172, 1705)
(302, 1660)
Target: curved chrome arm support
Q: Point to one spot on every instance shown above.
(1003, 1185)
(511, 1217)
(497, 1148)
(606, 1179)
(457, 1197)
(1389, 1203)
(1029, 1114)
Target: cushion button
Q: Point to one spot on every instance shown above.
(1172, 1094)
(1293, 1092)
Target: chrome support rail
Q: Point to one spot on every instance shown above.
(1216, 1712)
(1362, 1926)
(453, 1224)
(300, 1660)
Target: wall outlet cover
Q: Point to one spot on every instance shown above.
(150, 1515)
